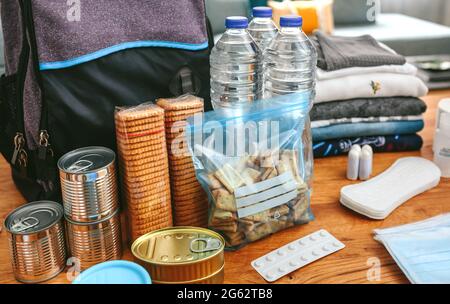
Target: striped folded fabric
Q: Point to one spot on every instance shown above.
(393, 143)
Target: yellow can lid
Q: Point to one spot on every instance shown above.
(178, 245)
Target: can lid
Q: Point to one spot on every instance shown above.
(86, 160)
(114, 272)
(33, 217)
(178, 245)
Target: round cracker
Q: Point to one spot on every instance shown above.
(155, 137)
(139, 112)
(133, 150)
(182, 102)
(156, 162)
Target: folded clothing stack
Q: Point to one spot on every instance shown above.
(366, 94)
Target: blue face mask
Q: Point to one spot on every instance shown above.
(421, 250)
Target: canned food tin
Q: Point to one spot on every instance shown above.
(177, 255)
(95, 243)
(36, 241)
(89, 184)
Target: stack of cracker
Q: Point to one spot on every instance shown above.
(189, 200)
(144, 168)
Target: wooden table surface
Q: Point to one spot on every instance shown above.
(357, 263)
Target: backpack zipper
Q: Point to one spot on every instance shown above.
(20, 156)
(45, 165)
(44, 149)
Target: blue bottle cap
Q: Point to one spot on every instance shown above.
(291, 21)
(114, 272)
(262, 11)
(236, 22)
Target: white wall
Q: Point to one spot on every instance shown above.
(433, 10)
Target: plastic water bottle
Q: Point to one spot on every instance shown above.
(290, 67)
(236, 68)
(262, 28)
(290, 61)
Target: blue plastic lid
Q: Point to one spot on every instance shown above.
(236, 22)
(291, 21)
(262, 11)
(114, 272)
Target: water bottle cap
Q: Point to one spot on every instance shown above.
(236, 22)
(262, 11)
(291, 21)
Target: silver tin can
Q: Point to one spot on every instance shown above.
(36, 241)
(89, 184)
(95, 243)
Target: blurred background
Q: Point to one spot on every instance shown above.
(432, 10)
(419, 29)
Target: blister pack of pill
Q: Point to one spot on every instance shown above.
(296, 254)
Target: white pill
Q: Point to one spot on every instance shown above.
(293, 263)
(258, 264)
(269, 259)
(291, 247)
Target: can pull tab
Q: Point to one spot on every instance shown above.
(25, 224)
(211, 244)
(80, 166)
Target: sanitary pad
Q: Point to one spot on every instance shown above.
(379, 196)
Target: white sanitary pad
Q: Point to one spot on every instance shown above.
(379, 196)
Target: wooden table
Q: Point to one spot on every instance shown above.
(357, 263)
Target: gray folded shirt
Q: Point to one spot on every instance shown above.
(368, 107)
(335, 52)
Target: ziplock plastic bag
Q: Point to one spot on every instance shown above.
(252, 164)
(421, 249)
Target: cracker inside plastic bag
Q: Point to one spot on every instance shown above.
(253, 169)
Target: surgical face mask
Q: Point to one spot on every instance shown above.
(421, 250)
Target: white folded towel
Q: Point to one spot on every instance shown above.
(368, 86)
(406, 69)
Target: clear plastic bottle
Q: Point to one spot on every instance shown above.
(290, 67)
(262, 28)
(290, 60)
(236, 68)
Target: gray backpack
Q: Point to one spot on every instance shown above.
(70, 63)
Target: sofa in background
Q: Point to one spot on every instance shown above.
(409, 36)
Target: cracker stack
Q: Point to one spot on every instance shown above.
(144, 168)
(189, 200)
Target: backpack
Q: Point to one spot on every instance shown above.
(70, 63)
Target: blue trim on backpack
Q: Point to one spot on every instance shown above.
(120, 47)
